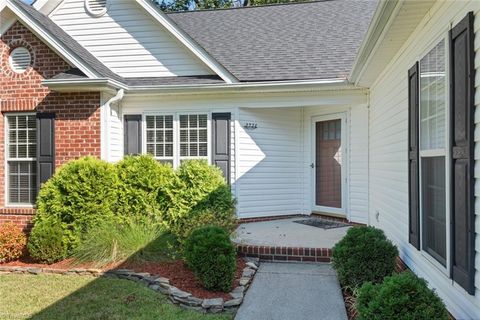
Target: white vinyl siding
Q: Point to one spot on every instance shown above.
(21, 152)
(127, 40)
(388, 151)
(270, 162)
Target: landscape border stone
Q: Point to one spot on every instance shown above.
(159, 284)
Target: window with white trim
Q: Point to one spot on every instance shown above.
(21, 152)
(193, 136)
(160, 137)
(433, 155)
(173, 138)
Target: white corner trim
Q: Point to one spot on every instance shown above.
(55, 45)
(186, 40)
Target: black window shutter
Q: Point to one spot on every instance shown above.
(413, 167)
(221, 142)
(45, 147)
(133, 134)
(462, 91)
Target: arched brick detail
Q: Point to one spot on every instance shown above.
(5, 54)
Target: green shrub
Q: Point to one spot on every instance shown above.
(403, 297)
(141, 178)
(47, 242)
(198, 196)
(210, 254)
(12, 242)
(112, 243)
(364, 254)
(81, 194)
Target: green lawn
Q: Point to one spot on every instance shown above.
(84, 297)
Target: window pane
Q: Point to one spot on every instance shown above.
(22, 182)
(22, 144)
(193, 138)
(159, 132)
(432, 99)
(434, 207)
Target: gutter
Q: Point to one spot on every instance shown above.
(376, 30)
(82, 84)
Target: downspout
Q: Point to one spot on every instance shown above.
(108, 112)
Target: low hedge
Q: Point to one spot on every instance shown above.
(12, 242)
(47, 242)
(211, 255)
(403, 296)
(81, 194)
(141, 178)
(364, 254)
(198, 196)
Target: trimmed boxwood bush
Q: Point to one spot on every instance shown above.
(47, 242)
(141, 178)
(210, 254)
(81, 194)
(403, 297)
(364, 254)
(12, 242)
(198, 196)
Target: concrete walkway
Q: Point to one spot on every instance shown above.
(285, 291)
(287, 233)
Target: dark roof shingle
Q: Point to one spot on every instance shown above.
(309, 40)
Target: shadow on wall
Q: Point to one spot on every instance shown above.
(270, 171)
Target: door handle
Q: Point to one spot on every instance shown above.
(312, 165)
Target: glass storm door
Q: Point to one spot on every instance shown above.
(329, 165)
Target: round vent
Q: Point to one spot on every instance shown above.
(20, 59)
(96, 8)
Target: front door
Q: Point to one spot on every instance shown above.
(329, 164)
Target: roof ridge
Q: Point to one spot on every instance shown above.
(299, 2)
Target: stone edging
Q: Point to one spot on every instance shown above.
(159, 284)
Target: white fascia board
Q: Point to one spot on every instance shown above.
(75, 85)
(7, 18)
(267, 86)
(382, 17)
(48, 39)
(187, 41)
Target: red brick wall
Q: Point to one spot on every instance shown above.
(77, 124)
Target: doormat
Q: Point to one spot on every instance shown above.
(321, 223)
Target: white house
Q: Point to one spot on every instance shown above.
(358, 109)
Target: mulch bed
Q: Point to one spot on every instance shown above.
(178, 274)
(184, 279)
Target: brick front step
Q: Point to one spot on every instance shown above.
(266, 253)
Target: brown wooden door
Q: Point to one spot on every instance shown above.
(328, 163)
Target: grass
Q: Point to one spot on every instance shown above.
(134, 241)
(85, 297)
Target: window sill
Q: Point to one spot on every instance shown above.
(18, 210)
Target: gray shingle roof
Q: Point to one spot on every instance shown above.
(310, 40)
(182, 80)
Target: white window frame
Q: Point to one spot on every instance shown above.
(176, 136)
(434, 153)
(8, 159)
